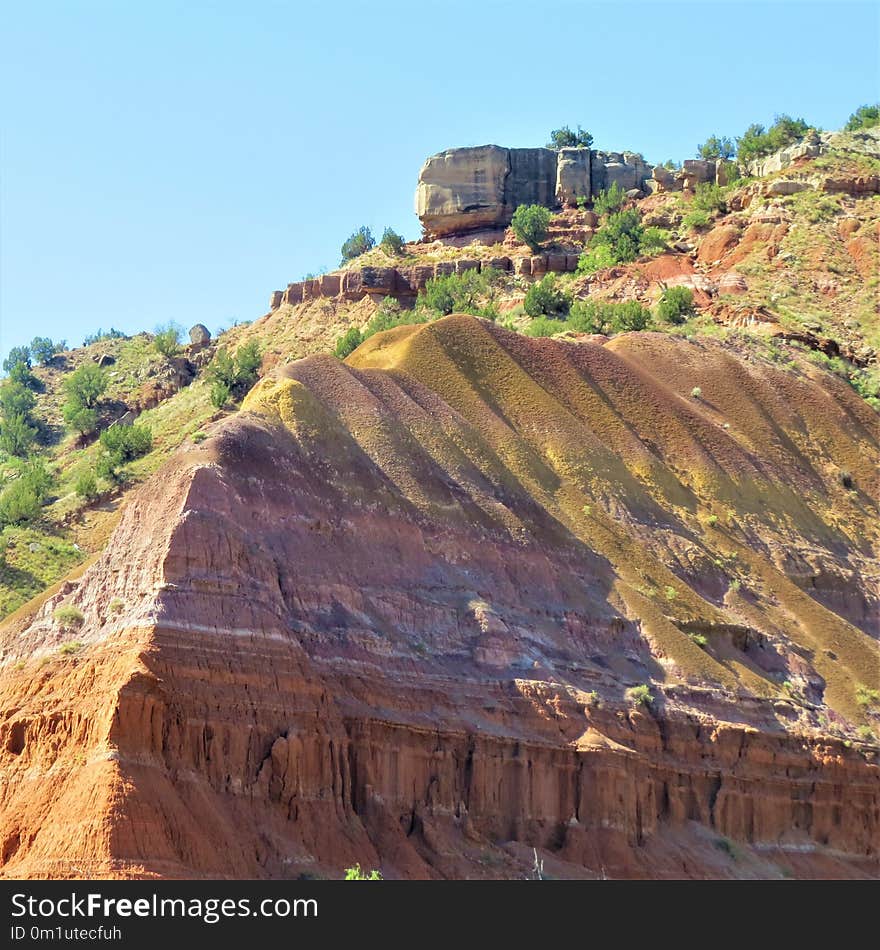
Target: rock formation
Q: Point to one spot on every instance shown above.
(389, 612)
(468, 189)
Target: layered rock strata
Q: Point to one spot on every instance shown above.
(390, 611)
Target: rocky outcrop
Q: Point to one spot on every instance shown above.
(406, 282)
(468, 189)
(388, 613)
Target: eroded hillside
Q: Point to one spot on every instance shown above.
(465, 595)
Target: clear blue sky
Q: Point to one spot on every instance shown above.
(179, 161)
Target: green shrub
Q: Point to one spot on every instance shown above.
(348, 342)
(19, 503)
(199, 437)
(715, 148)
(220, 394)
(595, 316)
(232, 376)
(21, 375)
(44, 350)
(865, 733)
(867, 697)
(116, 605)
(598, 257)
(80, 419)
(248, 361)
(696, 220)
(640, 695)
(167, 340)
(356, 874)
(696, 392)
(86, 485)
(565, 138)
(609, 200)
(865, 117)
(712, 520)
(127, 442)
(709, 197)
(620, 239)
(359, 243)
(15, 399)
(18, 354)
(392, 243)
(545, 326)
(653, 241)
(670, 593)
(69, 617)
(37, 476)
(122, 444)
(85, 386)
(68, 649)
(676, 304)
(545, 298)
(17, 435)
(469, 292)
(699, 639)
(530, 223)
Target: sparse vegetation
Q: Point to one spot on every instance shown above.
(71, 647)
(69, 617)
(756, 141)
(867, 697)
(620, 239)
(469, 292)
(86, 485)
(167, 340)
(348, 342)
(640, 695)
(122, 444)
(609, 200)
(44, 350)
(546, 298)
(530, 223)
(356, 874)
(565, 138)
(600, 316)
(676, 304)
(392, 243)
(716, 148)
(84, 388)
(232, 376)
(358, 243)
(865, 117)
(99, 336)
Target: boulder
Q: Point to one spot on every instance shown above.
(787, 186)
(696, 171)
(572, 176)
(200, 335)
(462, 189)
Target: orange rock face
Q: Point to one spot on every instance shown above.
(389, 613)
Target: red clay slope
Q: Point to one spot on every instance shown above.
(389, 613)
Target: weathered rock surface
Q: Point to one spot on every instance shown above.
(388, 612)
(467, 189)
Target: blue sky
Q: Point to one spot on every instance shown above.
(169, 161)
